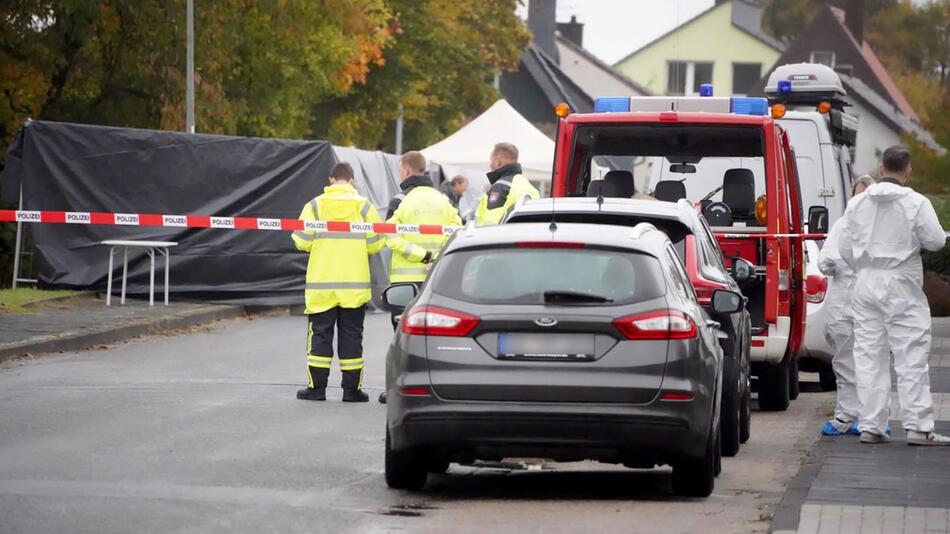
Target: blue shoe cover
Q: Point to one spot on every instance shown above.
(830, 429)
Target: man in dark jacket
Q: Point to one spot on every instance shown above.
(454, 189)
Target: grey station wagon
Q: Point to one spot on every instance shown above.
(558, 341)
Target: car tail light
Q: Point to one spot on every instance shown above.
(816, 287)
(704, 290)
(664, 324)
(418, 391)
(435, 321)
(676, 396)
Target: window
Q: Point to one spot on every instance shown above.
(744, 76)
(824, 57)
(685, 77)
(678, 276)
(514, 275)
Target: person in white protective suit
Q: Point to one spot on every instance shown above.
(885, 229)
(839, 328)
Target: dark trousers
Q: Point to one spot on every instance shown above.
(349, 328)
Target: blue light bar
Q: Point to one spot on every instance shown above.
(784, 87)
(706, 89)
(750, 106)
(608, 104)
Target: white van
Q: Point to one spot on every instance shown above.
(822, 135)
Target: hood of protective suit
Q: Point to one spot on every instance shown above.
(886, 192)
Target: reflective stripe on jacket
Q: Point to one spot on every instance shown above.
(422, 205)
(338, 268)
(513, 189)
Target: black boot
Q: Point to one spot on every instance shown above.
(382, 398)
(318, 384)
(352, 380)
(312, 394)
(354, 395)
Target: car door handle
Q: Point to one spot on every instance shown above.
(713, 324)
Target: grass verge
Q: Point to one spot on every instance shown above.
(12, 300)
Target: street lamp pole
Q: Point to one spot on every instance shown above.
(190, 82)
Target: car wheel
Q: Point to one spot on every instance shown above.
(745, 417)
(793, 385)
(718, 456)
(731, 413)
(826, 378)
(438, 465)
(773, 387)
(696, 477)
(404, 469)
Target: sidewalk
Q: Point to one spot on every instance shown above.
(86, 321)
(845, 487)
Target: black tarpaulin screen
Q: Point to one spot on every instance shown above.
(72, 167)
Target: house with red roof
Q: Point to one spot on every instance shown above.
(835, 37)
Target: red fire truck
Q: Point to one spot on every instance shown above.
(734, 162)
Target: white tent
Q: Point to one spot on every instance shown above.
(466, 151)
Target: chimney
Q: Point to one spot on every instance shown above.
(854, 18)
(542, 16)
(573, 31)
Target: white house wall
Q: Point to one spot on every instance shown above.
(874, 136)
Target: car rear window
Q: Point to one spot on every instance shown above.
(524, 275)
(674, 229)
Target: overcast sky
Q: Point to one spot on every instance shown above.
(614, 28)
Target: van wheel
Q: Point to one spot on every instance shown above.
(696, 477)
(773, 386)
(826, 377)
(404, 469)
(793, 384)
(731, 418)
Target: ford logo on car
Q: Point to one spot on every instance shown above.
(546, 321)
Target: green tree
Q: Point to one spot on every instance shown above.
(785, 19)
(440, 67)
(260, 64)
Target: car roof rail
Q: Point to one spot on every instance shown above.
(642, 228)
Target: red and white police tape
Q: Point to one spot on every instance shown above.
(260, 223)
(206, 221)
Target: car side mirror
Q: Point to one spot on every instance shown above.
(725, 301)
(397, 296)
(742, 270)
(818, 220)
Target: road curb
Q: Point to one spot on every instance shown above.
(82, 341)
(786, 516)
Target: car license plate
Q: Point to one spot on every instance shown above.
(556, 347)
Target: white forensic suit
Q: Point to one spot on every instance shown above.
(886, 227)
(839, 329)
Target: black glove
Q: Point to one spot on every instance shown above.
(428, 257)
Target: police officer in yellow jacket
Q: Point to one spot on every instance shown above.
(508, 185)
(338, 285)
(421, 204)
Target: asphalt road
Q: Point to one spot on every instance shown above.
(200, 432)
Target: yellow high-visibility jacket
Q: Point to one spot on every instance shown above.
(423, 205)
(338, 269)
(503, 193)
